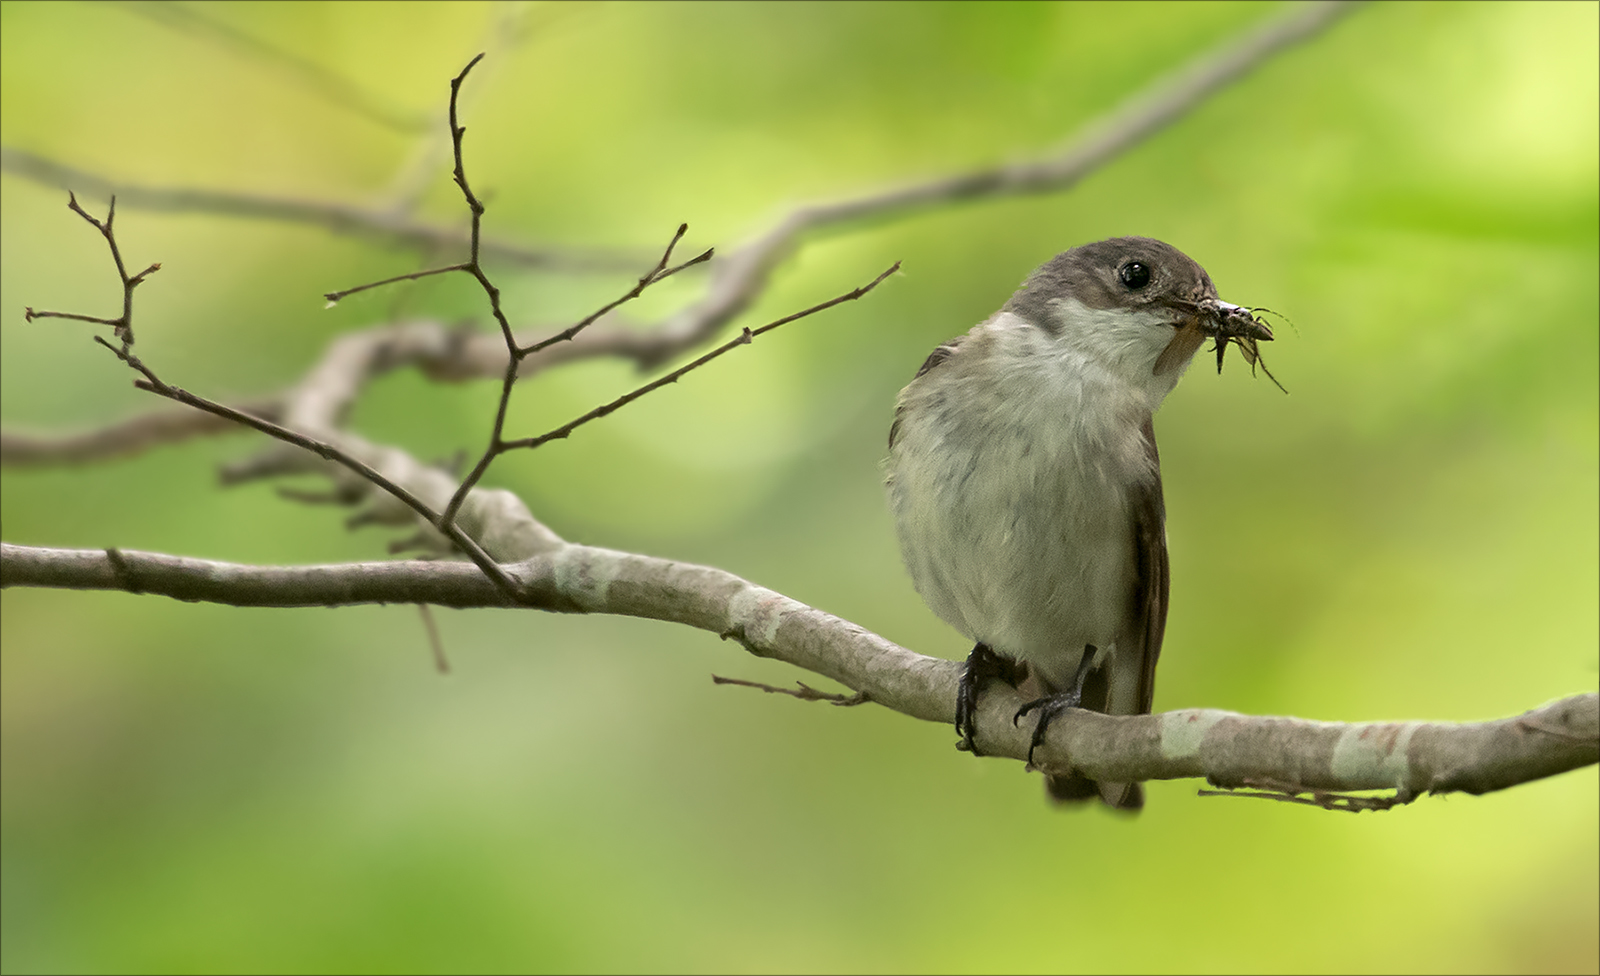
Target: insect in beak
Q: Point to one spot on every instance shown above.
(1232, 325)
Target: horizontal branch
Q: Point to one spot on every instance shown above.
(125, 437)
(320, 401)
(1283, 754)
(389, 224)
(443, 353)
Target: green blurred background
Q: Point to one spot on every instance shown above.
(1410, 534)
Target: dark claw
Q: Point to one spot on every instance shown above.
(1049, 710)
(1051, 706)
(983, 665)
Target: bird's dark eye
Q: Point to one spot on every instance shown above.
(1134, 275)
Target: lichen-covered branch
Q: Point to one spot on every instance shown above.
(1286, 755)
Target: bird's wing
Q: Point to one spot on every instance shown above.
(1154, 580)
(944, 351)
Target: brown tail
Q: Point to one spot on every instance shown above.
(1076, 789)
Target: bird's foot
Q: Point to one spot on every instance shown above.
(1051, 706)
(1049, 710)
(983, 665)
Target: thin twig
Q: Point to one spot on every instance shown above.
(677, 374)
(802, 691)
(466, 543)
(440, 662)
(659, 273)
(516, 354)
(123, 328)
(334, 296)
(1322, 799)
(499, 446)
(473, 265)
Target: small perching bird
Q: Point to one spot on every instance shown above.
(1026, 487)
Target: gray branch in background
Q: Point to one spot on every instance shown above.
(740, 275)
(737, 279)
(1284, 756)
(123, 438)
(388, 223)
(331, 85)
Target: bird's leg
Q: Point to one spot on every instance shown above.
(1052, 706)
(983, 665)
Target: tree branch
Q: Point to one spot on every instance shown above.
(327, 447)
(331, 85)
(1288, 755)
(743, 273)
(740, 276)
(126, 437)
(386, 224)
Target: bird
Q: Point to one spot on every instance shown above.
(1025, 484)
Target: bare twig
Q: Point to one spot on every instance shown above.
(440, 662)
(123, 328)
(515, 354)
(1324, 799)
(474, 266)
(741, 340)
(333, 297)
(498, 445)
(1226, 748)
(384, 223)
(466, 543)
(659, 273)
(802, 691)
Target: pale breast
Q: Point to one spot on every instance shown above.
(1009, 491)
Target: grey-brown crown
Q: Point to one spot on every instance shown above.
(1123, 272)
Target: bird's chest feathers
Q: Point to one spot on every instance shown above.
(1048, 431)
(1012, 494)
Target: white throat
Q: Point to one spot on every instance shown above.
(1124, 342)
